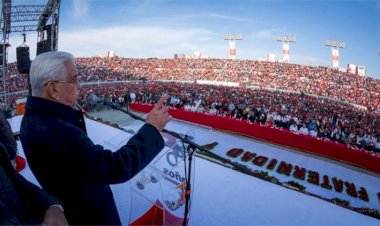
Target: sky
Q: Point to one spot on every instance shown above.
(161, 28)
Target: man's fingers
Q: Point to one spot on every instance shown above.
(161, 101)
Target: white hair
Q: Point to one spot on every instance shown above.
(49, 66)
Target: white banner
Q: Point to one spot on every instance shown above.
(335, 58)
(361, 70)
(285, 52)
(158, 191)
(351, 68)
(272, 57)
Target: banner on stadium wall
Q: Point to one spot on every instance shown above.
(285, 52)
(342, 69)
(335, 58)
(272, 57)
(361, 70)
(110, 53)
(351, 68)
(218, 83)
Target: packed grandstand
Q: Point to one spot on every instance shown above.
(315, 101)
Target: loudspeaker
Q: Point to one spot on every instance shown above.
(40, 47)
(23, 59)
(43, 46)
(51, 37)
(48, 45)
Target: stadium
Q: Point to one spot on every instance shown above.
(285, 143)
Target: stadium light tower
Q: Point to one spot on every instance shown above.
(335, 45)
(286, 40)
(232, 39)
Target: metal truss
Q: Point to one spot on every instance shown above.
(27, 18)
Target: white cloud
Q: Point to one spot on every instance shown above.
(219, 16)
(80, 8)
(132, 41)
(269, 33)
(129, 41)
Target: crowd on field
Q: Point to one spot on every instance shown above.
(299, 113)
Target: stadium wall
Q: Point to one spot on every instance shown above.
(329, 149)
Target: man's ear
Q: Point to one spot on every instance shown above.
(51, 91)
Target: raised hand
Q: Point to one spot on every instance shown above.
(159, 115)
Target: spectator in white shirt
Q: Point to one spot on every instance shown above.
(213, 111)
(133, 97)
(303, 129)
(314, 132)
(187, 107)
(293, 127)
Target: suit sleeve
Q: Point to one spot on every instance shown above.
(7, 137)
(37, 200)
(104, 166)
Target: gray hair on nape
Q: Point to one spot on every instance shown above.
(49, 66)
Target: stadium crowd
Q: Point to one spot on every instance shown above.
(16, 86)
(320, 81)
(299, 113)
(310, 100)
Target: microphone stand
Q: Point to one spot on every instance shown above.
(190, 149)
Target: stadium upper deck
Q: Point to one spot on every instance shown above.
(321, 81)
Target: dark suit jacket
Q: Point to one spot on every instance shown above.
(72, 168)
(21, 202)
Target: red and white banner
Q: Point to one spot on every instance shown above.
(232, 50)
(158, 191)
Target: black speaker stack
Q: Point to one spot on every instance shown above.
(23, 59)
